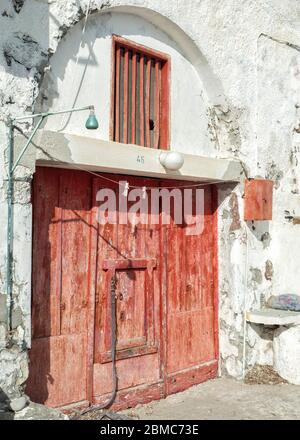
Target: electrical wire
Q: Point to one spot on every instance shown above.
(77, 59)
(245, 305)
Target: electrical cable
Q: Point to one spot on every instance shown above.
(64, 124)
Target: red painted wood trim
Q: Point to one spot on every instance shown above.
(258, 199)
(163, 140)
(149, 305)
(147, 102)
(140, 48)
(57, 324)
(165, 106)
(181, 381)
(116, 103)
(130, 263)
(133, 397)
(128, 353)
(133, 98)
(215, 206)
(163, 305)
(142, 108)
(112, 91)
(157, 104)
(57, 328)
(125, 108)
(92, 301)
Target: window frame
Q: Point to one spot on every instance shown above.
(164, 126)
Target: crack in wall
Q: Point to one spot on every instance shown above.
(18, 5)
(277, 40)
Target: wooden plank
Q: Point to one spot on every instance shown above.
(112, 91)
(148, 51)
(117, 94)
(125, 109)
(165, 106)
(157, 104)
(127, 353)
(133, 98)
(190, 339)
(215, 211)
(67, 262)
(106, 248)
(75, 198)
(147, 102)
(163, 334)
(91, 308)
(142, 102)
(46, 249)
(258, 200)
(191, 336)
(131, 397)
(181, 381)
(132, 371)
(57, 370)
(129, 263)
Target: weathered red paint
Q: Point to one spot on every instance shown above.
(157, 104)
(142, 110)
(147, 103)
(61, 236)
(133, 98)
(165, 104)
(258, 199)
(166, 293)
(140, 90)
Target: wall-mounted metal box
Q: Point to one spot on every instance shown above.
(258, 199)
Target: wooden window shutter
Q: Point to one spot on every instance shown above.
(140, 95)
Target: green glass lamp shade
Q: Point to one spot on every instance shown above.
(91, 122)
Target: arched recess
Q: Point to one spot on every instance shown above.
(80, 74)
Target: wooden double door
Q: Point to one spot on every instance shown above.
(166, 296)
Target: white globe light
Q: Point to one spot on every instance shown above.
(172, 160)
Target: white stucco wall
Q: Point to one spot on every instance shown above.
(235, 93)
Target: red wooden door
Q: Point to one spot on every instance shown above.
(60, 277)
(191, 339)
(131, 252)
(165, 289)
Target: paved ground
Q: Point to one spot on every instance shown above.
(225, 399)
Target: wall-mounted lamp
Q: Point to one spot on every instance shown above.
(171, 160)
(91, 122)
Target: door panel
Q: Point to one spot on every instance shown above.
(131, 254)
(57, 370)
(166, 303)
(75, 202)
(46, 248)
(191, 275)
(61, 242)
(133, 371)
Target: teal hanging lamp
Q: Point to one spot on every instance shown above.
(91, 122)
